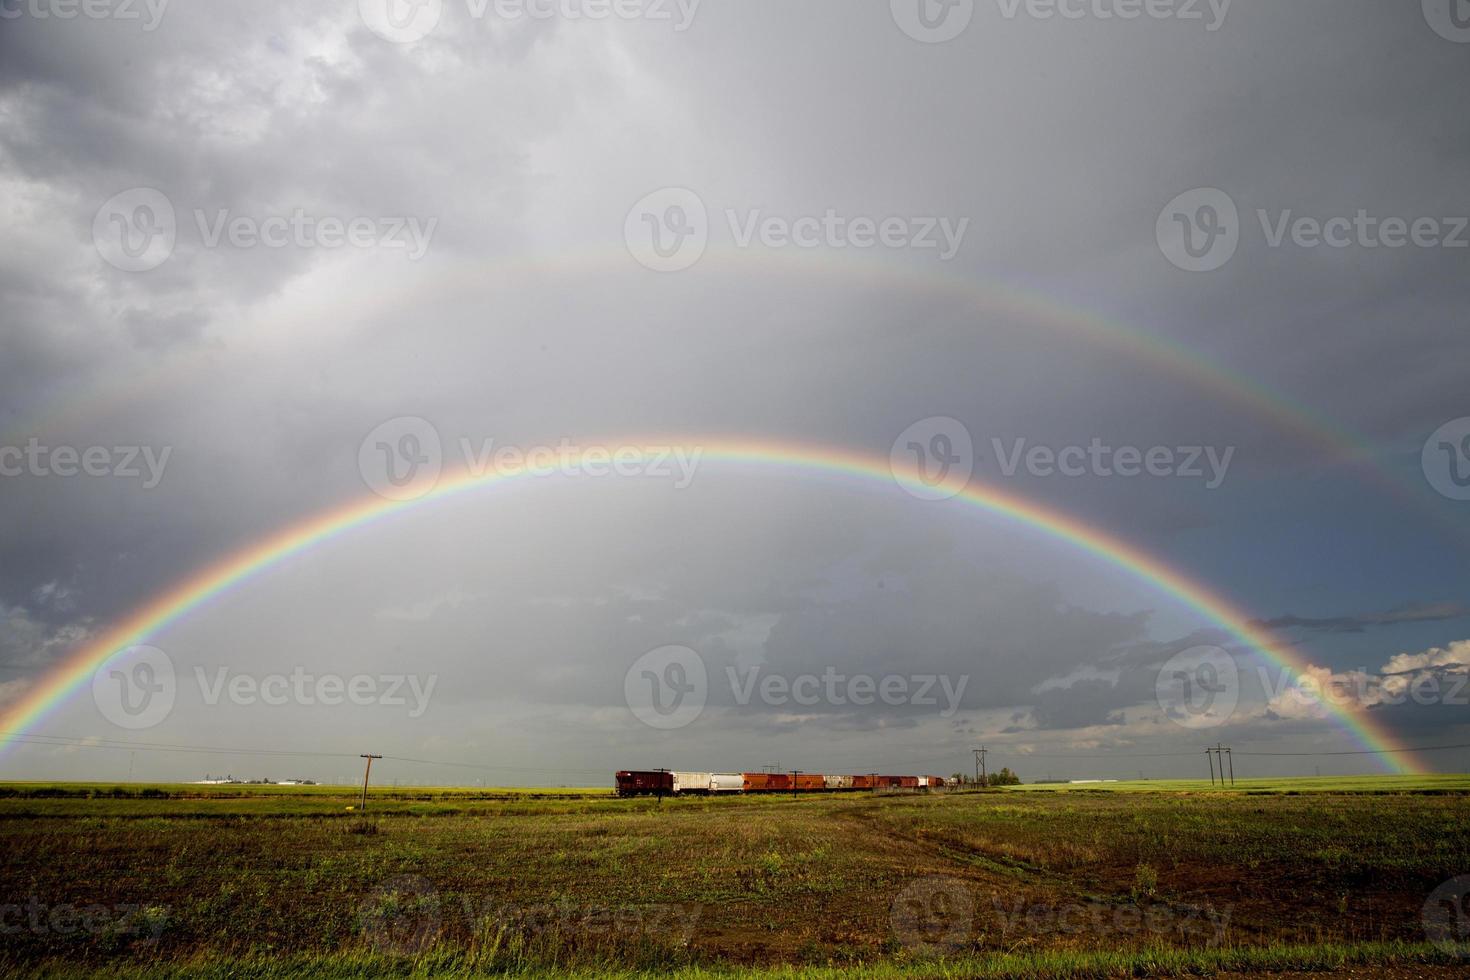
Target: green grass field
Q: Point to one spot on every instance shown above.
(1099, 880)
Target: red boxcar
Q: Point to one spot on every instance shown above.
(757, 782)
(807, 781)
(863, 782)
(936, 782)
(639, 782)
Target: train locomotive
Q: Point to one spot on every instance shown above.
(669, 782)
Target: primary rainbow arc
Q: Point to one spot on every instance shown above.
(54, 688)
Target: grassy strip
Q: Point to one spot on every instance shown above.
(1000, 966)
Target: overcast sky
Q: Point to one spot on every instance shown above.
(250, 239)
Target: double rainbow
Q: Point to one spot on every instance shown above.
(54, 688)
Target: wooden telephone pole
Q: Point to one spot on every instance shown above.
(1220, 753)
(365, 776)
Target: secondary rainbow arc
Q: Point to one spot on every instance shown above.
(75, 672)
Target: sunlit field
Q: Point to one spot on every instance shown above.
(157, 880)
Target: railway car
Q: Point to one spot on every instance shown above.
(692, 782)
(643, 782)
(727, 782)
(756, 782)
(646, 782)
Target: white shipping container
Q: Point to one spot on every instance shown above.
(691, 782)
(726, 782)
(923, 781)
(839, 782)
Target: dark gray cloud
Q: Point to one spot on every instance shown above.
(527, 321)
(1427, 612)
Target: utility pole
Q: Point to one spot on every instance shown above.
(794, 774)
(368, 772)
(1231, 758)
(1210, 758)
(981, 775)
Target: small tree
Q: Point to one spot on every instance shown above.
(1005, 778)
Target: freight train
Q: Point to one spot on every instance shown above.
(666, 782)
